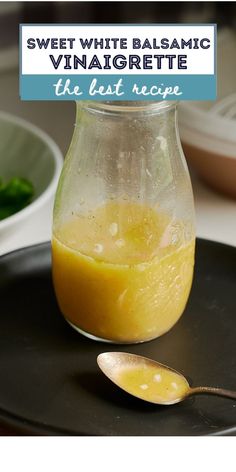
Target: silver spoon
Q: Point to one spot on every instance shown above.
(151, 381)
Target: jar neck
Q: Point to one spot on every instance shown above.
(127, 126)
(127, 107)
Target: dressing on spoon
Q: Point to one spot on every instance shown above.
(149, 380)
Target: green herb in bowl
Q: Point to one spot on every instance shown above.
(15, 195)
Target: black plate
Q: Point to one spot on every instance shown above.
(49, 379)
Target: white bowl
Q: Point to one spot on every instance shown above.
(208, 135)
(28, 152)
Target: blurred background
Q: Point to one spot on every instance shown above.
(208, 129)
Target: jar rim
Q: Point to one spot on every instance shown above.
(128, 106)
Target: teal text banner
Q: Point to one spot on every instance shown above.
(118, 87)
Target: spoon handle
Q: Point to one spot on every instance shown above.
(222, 392)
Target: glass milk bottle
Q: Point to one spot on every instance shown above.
(123, 232)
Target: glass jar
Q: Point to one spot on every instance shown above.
(123, 231)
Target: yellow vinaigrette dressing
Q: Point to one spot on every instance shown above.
(151, 383)
(120, 273)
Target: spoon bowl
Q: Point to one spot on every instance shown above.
(150, 380)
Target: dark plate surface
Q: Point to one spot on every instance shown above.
(49, 379)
